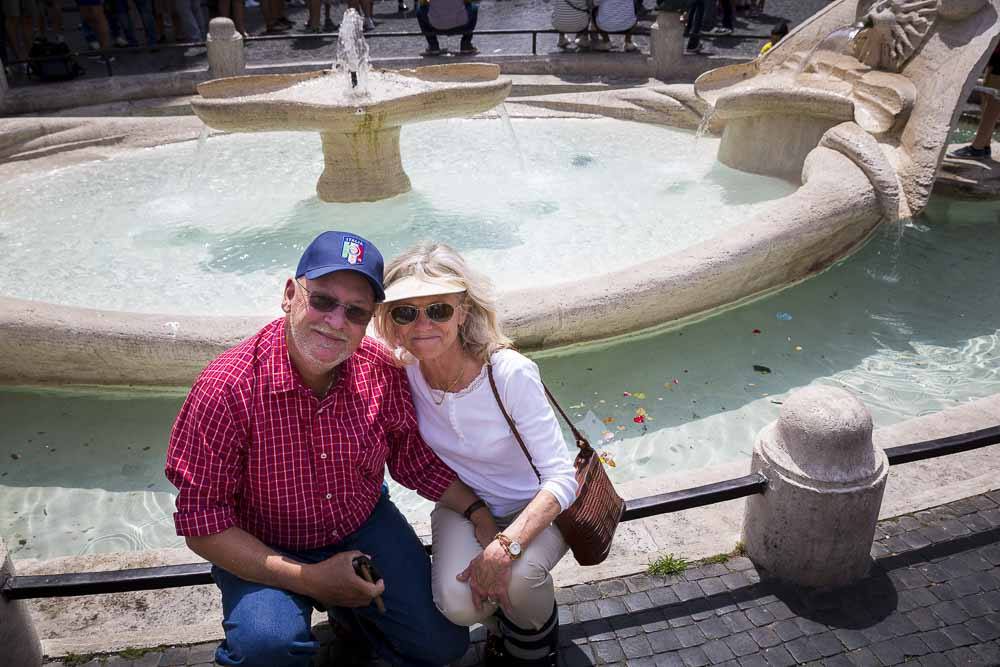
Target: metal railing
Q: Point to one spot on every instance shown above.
(195, 574)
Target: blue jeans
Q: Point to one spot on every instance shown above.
(271, 627)
(431, 33)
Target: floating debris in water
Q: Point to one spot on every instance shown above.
(15, 456)
(639, 395)
(783, 316)
(763, 370)
(798, 348)
(609, 420)
(582, 160)
(756, 332)
(607, 460)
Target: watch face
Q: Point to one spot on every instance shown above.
(515, 549)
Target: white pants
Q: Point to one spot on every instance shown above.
(532, 593)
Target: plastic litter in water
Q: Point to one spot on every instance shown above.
(763, 370)
(783, 316)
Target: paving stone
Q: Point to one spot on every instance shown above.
(739, 564)
(954, 527)
(988, 581)
(687, 590)
(760, 616)
(975, 523)
(690, 636)
(176, 655)
(612, 587)
(636, 602)
(917, 597)
(959, 635)
(915, 539)
(662, 597)
(741, 644)
(565, 596)
(717, 651)
(934, 660)
(975, 605)
(712, 586)
(777, 656)
(636, 647)
(780, 610)
(962, 656)
(640, 583)
(679, 621)
(764, 637)
(937, 641)
(733, 580)
(802, 650)
(943, 592)
(202, 653)
(702, 615)
(888, 652)
(737, 621)
(663, 641)
(608, 607)
(912, 645)
(863, 657)
(787, 630)
(879, 550)
(649, 661)
(992, 554)
(624, 626)
(650, 620)
(949, 612)
(900, 625)
(596, 630)
(982, 629)
(809, 626)
(607, 651)
(934, 573)
(753, 660)
(586, 611)
(147, 660)
(668, 660)
(908, 578)
(988, 652)
(934, 533)
(586, 592)
(827, 644)
(924, 619)
(694, 657)
(565, 616)
(724, 603)
(851, 639)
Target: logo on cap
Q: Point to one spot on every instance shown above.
(353, 250)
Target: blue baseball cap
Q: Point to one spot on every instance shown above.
(343, 251)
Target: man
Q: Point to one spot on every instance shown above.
(448, 17)
(278, 457)
(979, 149)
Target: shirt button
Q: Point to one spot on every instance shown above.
(329, 495)
(320, 411)
(322, 456)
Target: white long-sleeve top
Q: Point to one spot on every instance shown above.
(470, 434)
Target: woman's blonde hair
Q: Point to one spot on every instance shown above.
(480, 333)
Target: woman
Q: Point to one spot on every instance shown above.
(491, 565)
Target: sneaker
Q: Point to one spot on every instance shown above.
(583, 43)
(720, 30)
(970, 152)
(329, 25)
(695, 51)
(430, 53)
(469, 50)
(121, 42)
(563, 43)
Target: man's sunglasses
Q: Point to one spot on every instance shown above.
(324, 304)
(436, 312)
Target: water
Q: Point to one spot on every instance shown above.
(512, 139)
(245, 221)
(352, 53)
(926, 340)
(706, 119)
(836, 41)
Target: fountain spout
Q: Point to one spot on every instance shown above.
(352, 51)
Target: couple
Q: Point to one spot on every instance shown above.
(279, 451)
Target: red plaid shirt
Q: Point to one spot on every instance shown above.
(253, 447)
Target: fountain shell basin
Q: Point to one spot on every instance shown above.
(359, 130)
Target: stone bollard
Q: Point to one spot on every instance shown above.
(815, 524)
(17, 632)
(666, 44)
(225, 49)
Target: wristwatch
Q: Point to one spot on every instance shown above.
(512, 548)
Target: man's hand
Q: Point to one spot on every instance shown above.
(334, 583)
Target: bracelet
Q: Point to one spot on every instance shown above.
(479, 502)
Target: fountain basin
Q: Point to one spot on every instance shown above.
(359, 130)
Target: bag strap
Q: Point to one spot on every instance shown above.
(510, 422)
(581, 441)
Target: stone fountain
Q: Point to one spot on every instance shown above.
(357, 111)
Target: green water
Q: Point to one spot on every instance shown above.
(910, 324)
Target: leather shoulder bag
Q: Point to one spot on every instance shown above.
(589, 524)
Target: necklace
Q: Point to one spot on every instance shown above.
(446, 390)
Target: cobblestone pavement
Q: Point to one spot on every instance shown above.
(932, 599)
(493, 14)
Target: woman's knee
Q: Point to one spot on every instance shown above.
(454, 600)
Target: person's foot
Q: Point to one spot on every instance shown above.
(720, 30)
(369, 24)
(583, 43)
(468, 50)
(329, 25)
(430, 53)
(563, 43)
(401, 7)
(970, 152)
(121, 42)
(694, 51)
(629, 47)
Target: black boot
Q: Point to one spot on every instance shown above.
(520, 647)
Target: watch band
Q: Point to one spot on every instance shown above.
(473, 507)
(507, 545)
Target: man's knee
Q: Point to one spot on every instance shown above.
(268, 640)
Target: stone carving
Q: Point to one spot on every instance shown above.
(894, 30)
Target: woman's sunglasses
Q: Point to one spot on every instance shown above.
(436, 312)
(324, 304)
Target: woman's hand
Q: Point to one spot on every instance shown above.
(489, 577)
